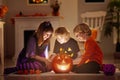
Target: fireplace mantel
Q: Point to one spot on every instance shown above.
(30, 23)
(37, 17)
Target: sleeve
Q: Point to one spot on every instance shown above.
(89, 51)
(31, 47)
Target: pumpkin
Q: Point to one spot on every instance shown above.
(37, 71)
(32, 71)
(26, 72)
(62, 63)
(20, 72)
(109, 69)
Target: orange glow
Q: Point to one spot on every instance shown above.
(3, 10)
(62, 63)
(39, 1)
(63, 67)
(94, 33)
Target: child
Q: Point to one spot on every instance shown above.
(32, 58)
(91, 60)
(66, 44)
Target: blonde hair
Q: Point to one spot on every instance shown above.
(84, 28)
(62, 31)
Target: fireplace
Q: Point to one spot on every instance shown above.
(26, 26)
(27, 34)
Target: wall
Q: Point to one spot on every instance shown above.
(69, 11)
(91, 6)
(0, 1)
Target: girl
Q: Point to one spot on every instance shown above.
(32, 58)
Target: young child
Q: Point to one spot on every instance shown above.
(91, 60)
(66, 44)
(32, 58)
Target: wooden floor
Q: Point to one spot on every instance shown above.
(66, 76)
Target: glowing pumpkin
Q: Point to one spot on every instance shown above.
(62, 63)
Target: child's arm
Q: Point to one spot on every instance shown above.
(77, 60)
(51, 57)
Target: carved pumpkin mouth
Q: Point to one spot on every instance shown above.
(63, 67)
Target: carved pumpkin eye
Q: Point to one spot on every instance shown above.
(62, 63)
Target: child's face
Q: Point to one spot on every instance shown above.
(47, 35)
(61, 39)
(80, 36)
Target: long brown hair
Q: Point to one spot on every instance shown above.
(46, 26)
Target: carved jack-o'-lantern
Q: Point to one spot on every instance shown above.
(62, 63)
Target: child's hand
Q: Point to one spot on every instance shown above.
(76, 61)
(51, 57)
(48, 65)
